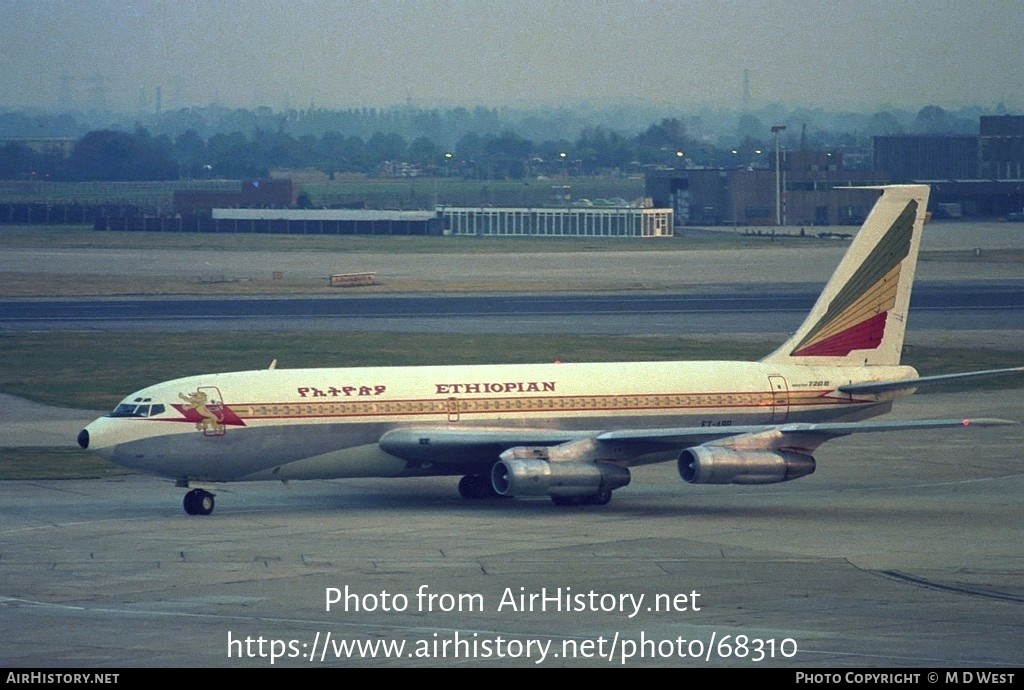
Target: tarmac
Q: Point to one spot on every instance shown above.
(902, 550)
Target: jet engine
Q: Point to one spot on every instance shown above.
(538, 477)
(716, 465)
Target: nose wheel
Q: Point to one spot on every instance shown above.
(198, 502)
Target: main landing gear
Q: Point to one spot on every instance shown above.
(198, 502)
(600, 498)
(476, 486)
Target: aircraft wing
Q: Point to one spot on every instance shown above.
(831, 429)
(476, 445)
(444, 445)
(802, 436)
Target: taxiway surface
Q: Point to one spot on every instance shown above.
(901, 550)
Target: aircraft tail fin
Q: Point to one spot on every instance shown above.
(861, 316)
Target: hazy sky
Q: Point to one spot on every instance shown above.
(344, 53)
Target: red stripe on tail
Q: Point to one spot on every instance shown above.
(867, 335)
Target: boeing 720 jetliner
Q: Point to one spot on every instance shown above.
(564, 430)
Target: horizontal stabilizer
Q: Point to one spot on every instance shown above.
(906, 384)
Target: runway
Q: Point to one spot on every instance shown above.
(726, 309)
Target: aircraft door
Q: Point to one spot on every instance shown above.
(453, 409)
(780, 398)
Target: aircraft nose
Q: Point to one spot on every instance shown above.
(102, 437)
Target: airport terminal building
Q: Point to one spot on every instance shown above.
(979, 175)
(572, 221)
(484, 221)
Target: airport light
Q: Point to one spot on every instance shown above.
(447, 160)
(778, 179)
(562, 155)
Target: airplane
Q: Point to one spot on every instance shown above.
(568, 431)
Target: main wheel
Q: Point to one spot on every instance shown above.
(198, 502)
(475, 486)
(599, 498)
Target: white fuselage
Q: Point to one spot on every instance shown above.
(326, 423)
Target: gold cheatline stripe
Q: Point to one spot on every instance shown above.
(444, 406)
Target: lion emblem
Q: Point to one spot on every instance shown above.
(208, 422)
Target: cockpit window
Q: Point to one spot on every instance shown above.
(138, 407)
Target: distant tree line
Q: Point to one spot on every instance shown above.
(122, 156)
(190, 144)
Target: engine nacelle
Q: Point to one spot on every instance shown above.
(714, 465)
(537, 477)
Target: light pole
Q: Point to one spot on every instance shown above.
(778, 179)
